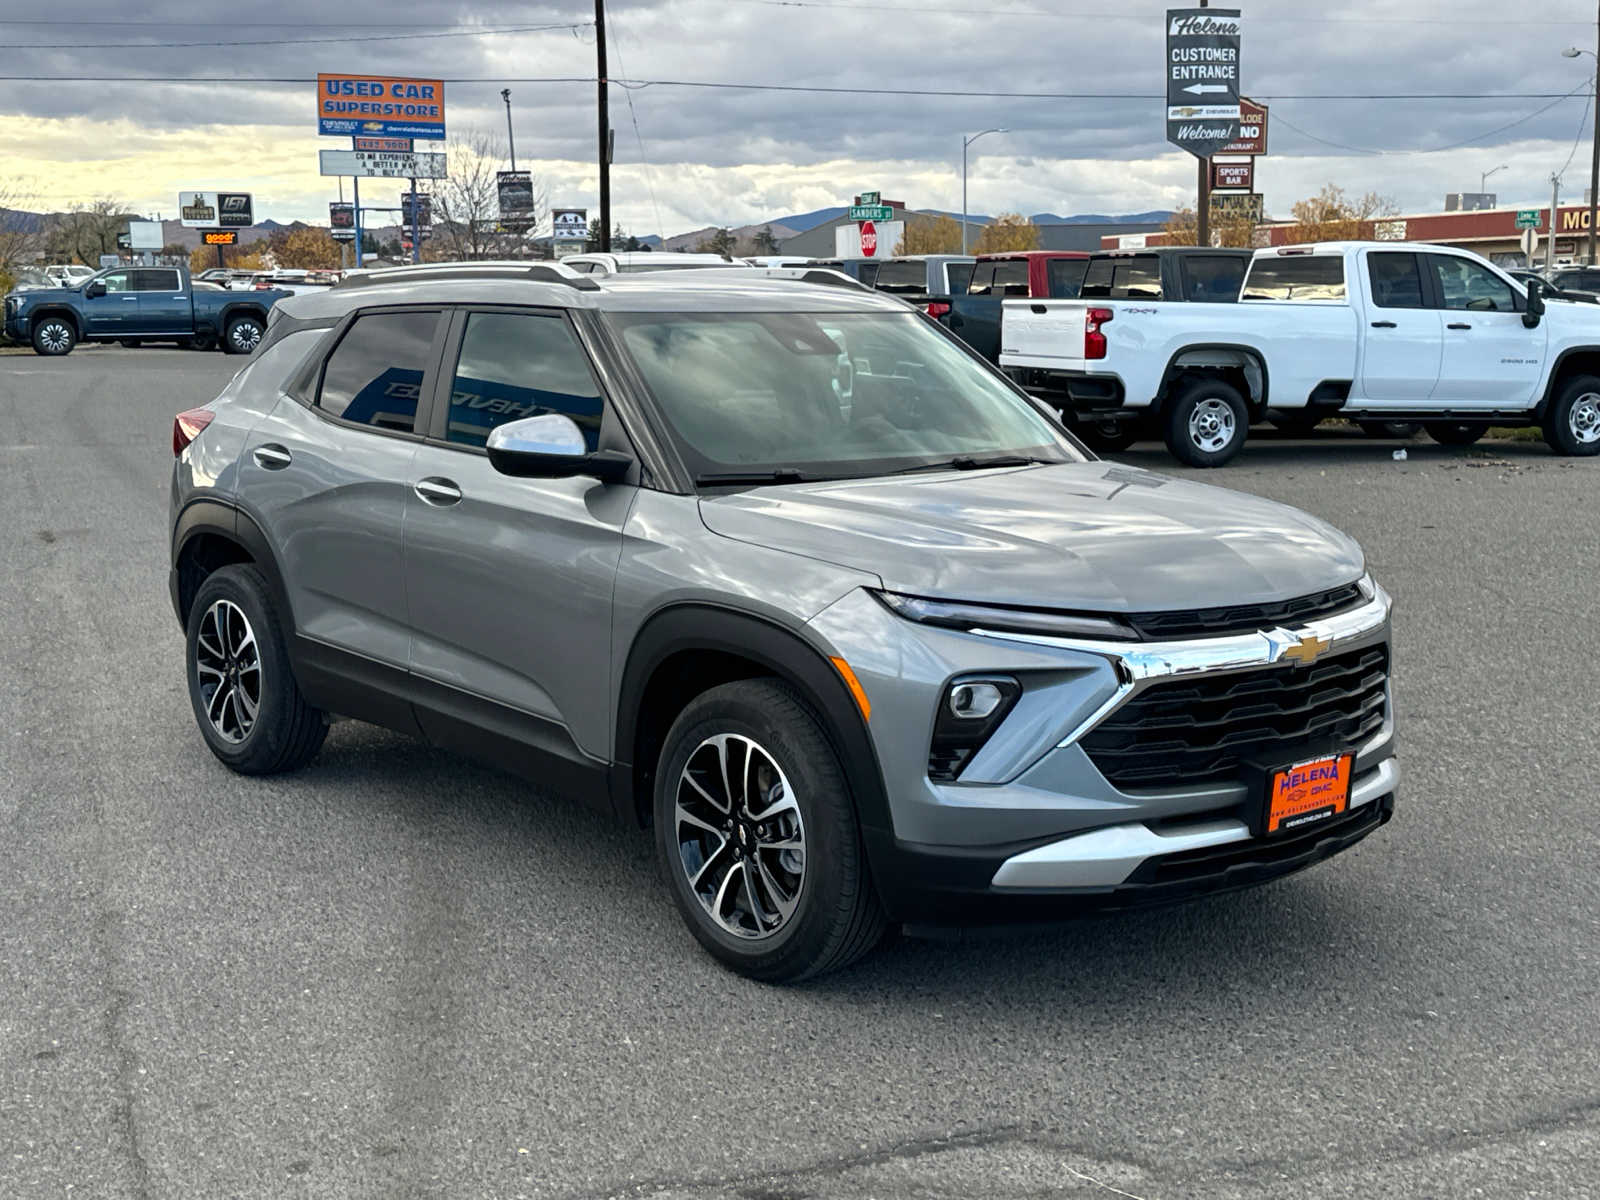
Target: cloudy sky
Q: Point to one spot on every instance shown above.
(689, 156)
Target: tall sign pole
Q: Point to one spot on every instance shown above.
(1594, 157)
(1203, 91)
(605, 125)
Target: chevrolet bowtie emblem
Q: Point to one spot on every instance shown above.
(1306, 648)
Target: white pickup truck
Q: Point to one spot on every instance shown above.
(1373, 331)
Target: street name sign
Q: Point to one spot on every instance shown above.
(1202, 79)
(1528, 218)
(871, 212)
(380, 164)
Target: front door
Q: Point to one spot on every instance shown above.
(1491, 359)
(1403, 339)
(163, 301)
(117, 311)
(329, 478)
(510, 580)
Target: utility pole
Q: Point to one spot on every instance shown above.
(605, 125)
(355, 196)
(1202, 207)
(1555, 204)
(1594, 156)
(416, 225)
(505, 94)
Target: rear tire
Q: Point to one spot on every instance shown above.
(1402, 430)
(1296, 424)
(1206, 422)
(243, 690)
(54, 337)
(1572, 419)
(243, 335)
(1107, 436)
(1454, 433)
(784, 815)
(130, 343)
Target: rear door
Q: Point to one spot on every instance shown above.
(327, 474)
(164, 305)
(1491, 359)
(510, 580)
(1403, 338)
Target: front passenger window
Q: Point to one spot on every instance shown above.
(374, 375)
(516, 365)
(1472, 286)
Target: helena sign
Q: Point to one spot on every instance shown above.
(1202, 79)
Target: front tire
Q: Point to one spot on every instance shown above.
(129, 343)
(54, 337)
(1206, 423)
(1572, 419)
(243, 335)
(1454, 433)
(757, 834)
(245, 698)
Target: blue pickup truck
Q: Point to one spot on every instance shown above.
(139, 304)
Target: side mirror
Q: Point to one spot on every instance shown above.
(96, 288)
(551, 447)
(1535, 309)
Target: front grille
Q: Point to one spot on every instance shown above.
(1244, 618)
(1201, 729)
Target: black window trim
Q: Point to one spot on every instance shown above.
(430, 371)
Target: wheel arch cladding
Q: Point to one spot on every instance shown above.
(1237, 364)
(64, 314)
(1578, 361)
(209, 535)
(687, 650)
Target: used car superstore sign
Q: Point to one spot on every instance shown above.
(375, 104)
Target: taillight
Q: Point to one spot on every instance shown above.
(937, 309)
(1094, 342)
(186, 426)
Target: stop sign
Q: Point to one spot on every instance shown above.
(869, 239)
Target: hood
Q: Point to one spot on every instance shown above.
(1092, 536)
(47, 293)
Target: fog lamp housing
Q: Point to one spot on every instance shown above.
(970, 710)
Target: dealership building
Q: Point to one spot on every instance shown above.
(1492, 233)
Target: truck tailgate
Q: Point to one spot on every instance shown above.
(1042, 333)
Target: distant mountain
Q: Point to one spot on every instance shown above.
(681, 242)
(801, 222)
(1154, 217)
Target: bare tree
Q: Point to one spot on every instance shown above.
(466, 206)
(21, 233)
(88, 231)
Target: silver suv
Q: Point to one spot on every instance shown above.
(783, 570)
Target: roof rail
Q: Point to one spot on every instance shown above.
(534, 272)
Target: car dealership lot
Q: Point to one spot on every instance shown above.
(397, 973)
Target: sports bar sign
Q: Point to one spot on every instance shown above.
(379, 106)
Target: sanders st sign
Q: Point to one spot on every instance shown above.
(1202, 78)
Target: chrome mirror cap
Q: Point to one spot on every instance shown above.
(551, 434)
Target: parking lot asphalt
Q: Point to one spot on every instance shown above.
(397, 974)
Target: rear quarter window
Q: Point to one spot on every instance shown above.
(904, 277)
(1296, 277)
(1137, 277)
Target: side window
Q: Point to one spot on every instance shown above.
(1097, 280)
(154, 279)
(1065, 276)
(1296, 277)
(1469, 285)
(1396, 280)
(982, 280)
(957, 276)
(1589, 281)
(516, 365)
(375, 373)
(1213, 279)
(1011, 278)
(118, 281)
(1137, 278)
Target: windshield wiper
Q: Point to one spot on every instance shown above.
(969, 462)
(775, 475)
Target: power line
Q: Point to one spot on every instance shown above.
(1122, 14)
(1582, 121)
(318, 41)
(649, 180)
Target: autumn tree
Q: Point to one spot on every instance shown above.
(308, 249)
(929, 235)
(203, 258)
(1182, 229)
(1331, 216)
(466, 206)
(1006, 233)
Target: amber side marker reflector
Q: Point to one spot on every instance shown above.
(854, 684)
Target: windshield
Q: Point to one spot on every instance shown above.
(830, 396)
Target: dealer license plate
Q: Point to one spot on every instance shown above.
(1307, 793)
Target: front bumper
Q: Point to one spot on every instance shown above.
(16, 327)
(1034, 827)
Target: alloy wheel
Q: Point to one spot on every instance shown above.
(1583, 419)
(55, 337)
(740, 837)
(1211, 425)
(246, 335)
(228, 666)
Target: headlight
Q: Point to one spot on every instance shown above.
(1368, 585)
(953, 614)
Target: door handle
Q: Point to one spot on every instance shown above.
(1038, 308)
(272, 457)
(1458, 325)
(131, 299)
(440, 493)
(1383, 325)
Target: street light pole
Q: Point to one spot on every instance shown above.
(965, 142)
(1594, 152)
(511, 141)
(1483, 176)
